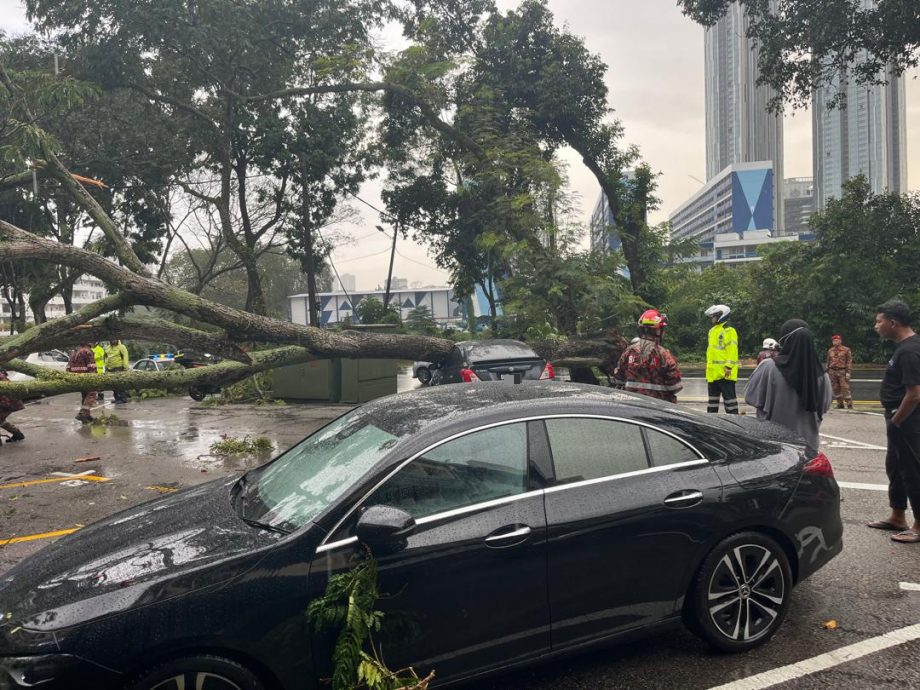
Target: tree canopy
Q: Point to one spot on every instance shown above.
(804, 44)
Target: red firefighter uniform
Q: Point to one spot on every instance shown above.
(650, 369)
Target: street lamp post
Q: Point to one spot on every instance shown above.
(386, 295)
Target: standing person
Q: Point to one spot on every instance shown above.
(840, 368)
(900, 396)
(769, 350)
(82, 361)
(116, 359)
(99, 354)
(646, 366)
(7, 407)
(721, 360)
(792, 389)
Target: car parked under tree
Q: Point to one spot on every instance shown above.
(511, 523)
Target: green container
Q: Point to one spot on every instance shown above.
(366, 379)
(318, 380)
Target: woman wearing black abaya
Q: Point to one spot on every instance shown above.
(793, 389)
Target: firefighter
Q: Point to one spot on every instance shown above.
(721, 360)
(82, 361)
(646, 366)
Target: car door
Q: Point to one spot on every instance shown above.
(628, 514)
(468, 590)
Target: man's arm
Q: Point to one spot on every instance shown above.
(907, 406)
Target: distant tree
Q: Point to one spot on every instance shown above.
(804, 44)
(370, 310)
(420, 320)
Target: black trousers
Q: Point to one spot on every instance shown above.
(902, 464)
(120, 396)
(726, 390)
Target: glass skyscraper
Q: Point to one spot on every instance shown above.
(739, 126)
(863, 135)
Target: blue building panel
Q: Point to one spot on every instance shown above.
(752, 200)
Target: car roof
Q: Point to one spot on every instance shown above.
(434, 411)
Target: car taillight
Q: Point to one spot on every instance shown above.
(468, 376)
(549, 372)
(819, 466)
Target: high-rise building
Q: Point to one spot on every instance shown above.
(736, 203)
(346, 282)
(603, 232)
(799, 203)
(739, 126)
(862, 134)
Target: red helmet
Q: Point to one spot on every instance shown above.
(652, 318)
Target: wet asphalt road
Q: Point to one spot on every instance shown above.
(164, 445)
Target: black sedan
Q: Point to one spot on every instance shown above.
(511, 524)
(471, 361)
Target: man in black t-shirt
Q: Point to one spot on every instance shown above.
(900, 396)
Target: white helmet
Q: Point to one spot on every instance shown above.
(720, 309)
(770, 344)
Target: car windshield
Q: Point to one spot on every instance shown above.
(309, 477)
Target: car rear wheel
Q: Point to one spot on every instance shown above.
(424, 375)
(198, 673)
(741, 594)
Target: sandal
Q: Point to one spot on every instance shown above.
(908, 536)
(886, 525)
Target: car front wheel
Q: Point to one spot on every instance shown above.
(200, 673)
(741, 594)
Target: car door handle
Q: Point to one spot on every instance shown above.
(511, 538)
(684, 499)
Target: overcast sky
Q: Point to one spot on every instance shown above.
(655, 78)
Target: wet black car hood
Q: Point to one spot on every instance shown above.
(153, 551)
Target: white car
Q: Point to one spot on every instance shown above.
(53, 359)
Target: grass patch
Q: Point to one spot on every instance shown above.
(229, 445)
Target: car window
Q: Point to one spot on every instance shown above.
(478, 467)
(594, 448)
(667, 450)
(309, 477)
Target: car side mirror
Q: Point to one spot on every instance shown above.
(384, 528)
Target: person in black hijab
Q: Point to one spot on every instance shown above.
(793, 389)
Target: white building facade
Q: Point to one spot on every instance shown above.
(86, 290)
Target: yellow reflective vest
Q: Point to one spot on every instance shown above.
(99, 355)
(722, 352)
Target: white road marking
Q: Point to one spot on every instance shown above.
(855, 444)
(73, 474)
(865, 487)
(909, 586)
(822, 662)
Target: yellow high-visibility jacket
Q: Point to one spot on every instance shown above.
(722, 352)
(99, 355)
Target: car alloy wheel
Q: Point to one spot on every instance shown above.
(742, 592)
(198, 673)
(199, 680)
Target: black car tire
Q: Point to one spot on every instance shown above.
(741, 593)
(216, 673)
(423, 375)
(197, 394)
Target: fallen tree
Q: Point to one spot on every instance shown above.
(225, 331)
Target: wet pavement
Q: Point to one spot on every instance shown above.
(163, 444)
